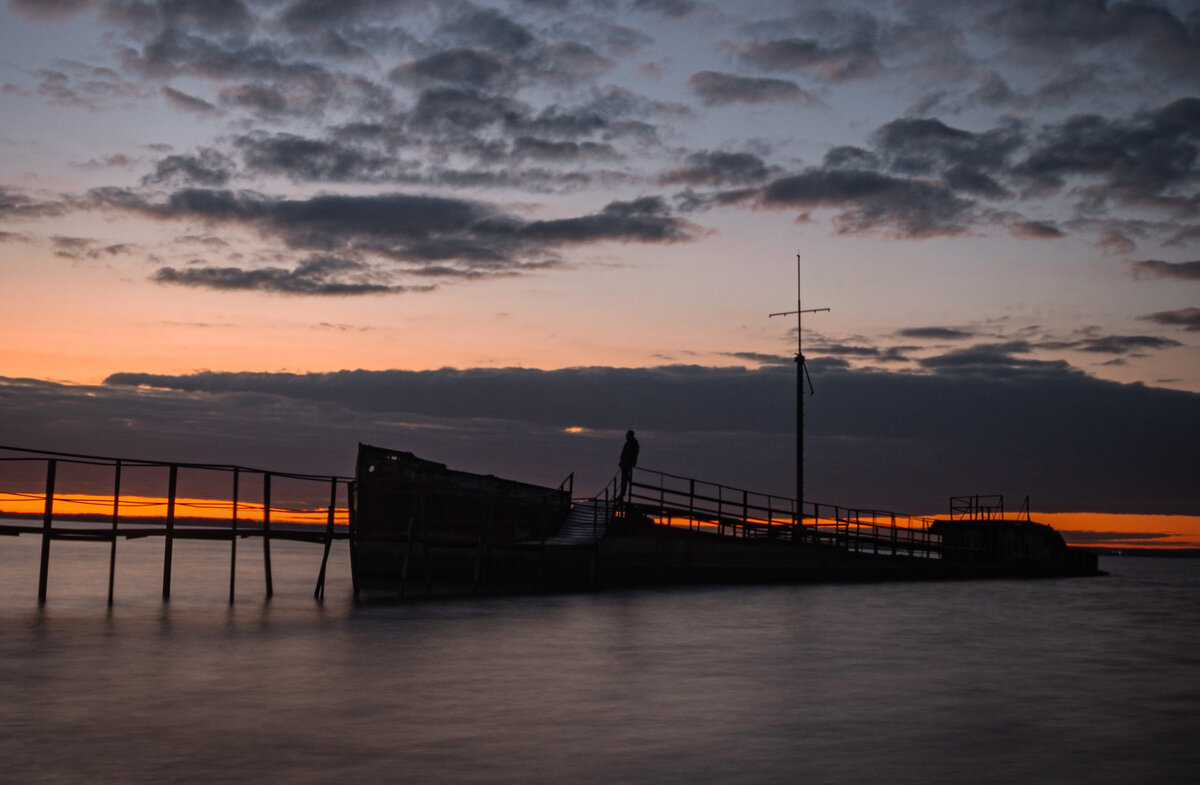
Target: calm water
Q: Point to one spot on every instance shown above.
(1059, 681)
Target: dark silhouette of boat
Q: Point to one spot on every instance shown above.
(418, 528)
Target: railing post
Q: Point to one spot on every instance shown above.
(266, 532)
(112, 553)
(172, 484)
(47, 518)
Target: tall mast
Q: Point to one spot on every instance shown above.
(801, 377)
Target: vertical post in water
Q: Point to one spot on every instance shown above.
(172, 483)
(112, 553)
(47, 517)
(266, 532)
(319, 592)
(233, 535)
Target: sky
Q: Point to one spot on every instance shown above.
(500, 234)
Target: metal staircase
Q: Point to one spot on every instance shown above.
(585, 523)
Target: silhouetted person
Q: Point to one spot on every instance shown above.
(629, 456)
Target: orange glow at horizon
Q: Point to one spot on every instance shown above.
(1102, 530)
(32, 505)
(1124, 530)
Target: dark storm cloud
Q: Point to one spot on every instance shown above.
(1188, 271)
(873, 438)
(870, 201)
(716, 89)
(1187, 318)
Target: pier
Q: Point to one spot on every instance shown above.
(702, 528)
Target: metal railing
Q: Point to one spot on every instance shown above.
(78, 481)
(673, 500)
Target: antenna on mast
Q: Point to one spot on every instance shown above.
(802, 376)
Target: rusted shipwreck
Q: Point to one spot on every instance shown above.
(419, 528)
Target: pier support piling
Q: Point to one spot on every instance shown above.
(112, 553)
(319, 592)
(266, 533)
(47, 518)
(233, 536)
(169, 536)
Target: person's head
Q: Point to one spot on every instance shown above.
(628, 435)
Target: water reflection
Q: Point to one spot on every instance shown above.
(1001, 681)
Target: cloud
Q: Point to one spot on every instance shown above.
(1035, 230)
(1146, 161)
(491, 28)
(48, 9)
(469, 68)
(317, 276)
(927, 146)
(187, 103)
(888, 440)
(716, 89)
(935, 333)
(715, 167)
(303, 159)
(208, 167)
(1154, 35)
(1126, 344)
(398, 231)
(19, 206)
(1187, 318)
(839, 63)
(673, 9)
(868, 201)
(1188, 271)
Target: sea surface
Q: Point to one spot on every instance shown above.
(1086, 680)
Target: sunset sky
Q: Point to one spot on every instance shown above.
(498, 234)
